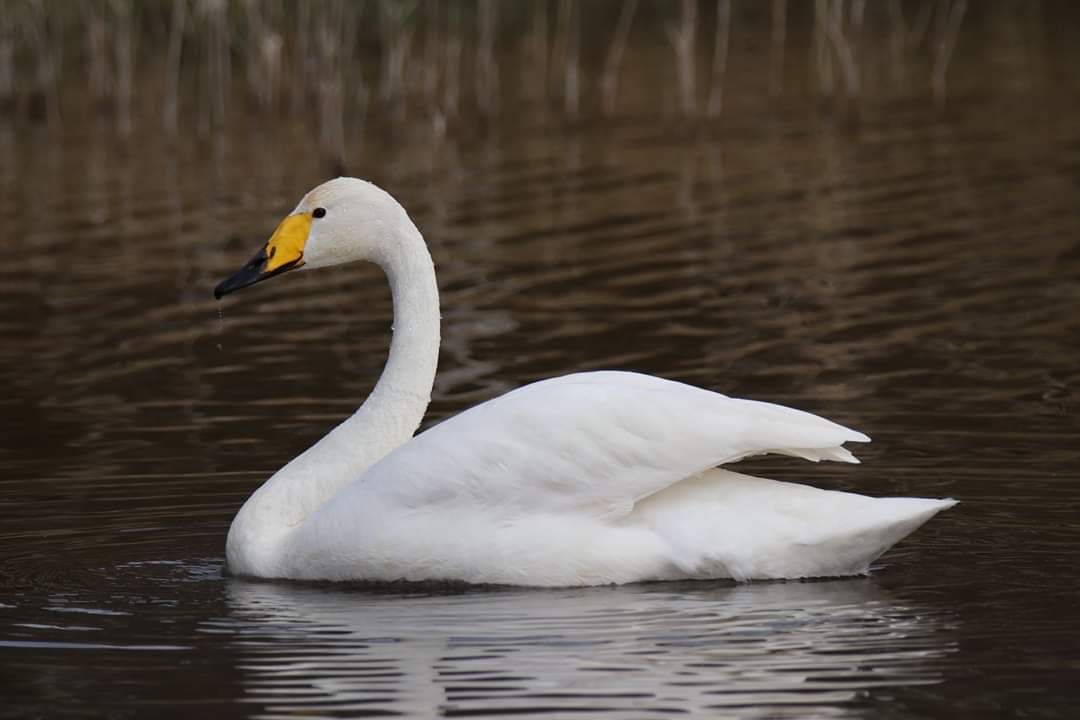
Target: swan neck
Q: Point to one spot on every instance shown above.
(404, 387)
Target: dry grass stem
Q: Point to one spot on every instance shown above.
(681, 36)
(170, 108)
(720, 56)
(950, 15)
(567, 55)
(609, 82)
(778, 45)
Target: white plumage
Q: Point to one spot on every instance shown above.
(585, 479)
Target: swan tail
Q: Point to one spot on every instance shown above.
(726, 524)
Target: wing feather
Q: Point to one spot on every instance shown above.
(591, 442)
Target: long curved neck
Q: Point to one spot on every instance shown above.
(395, 407)
(387, 419)
(402, 394)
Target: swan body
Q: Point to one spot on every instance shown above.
(586, 479)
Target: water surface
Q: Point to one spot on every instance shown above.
(913, 272)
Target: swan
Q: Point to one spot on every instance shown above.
(592, 478)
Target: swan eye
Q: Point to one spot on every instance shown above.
(318, 212)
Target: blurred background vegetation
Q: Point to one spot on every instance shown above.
(337, 66)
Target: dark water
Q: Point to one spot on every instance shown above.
(914, 273)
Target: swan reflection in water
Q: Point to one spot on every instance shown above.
(771, 649)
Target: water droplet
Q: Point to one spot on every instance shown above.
(221, 323)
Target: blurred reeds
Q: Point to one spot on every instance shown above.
(192, 65)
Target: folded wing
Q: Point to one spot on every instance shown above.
(594, 443)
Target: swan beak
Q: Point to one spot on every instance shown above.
(284, 251)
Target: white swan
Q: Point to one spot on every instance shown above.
(585, 479)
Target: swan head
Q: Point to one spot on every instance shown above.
(341, 221)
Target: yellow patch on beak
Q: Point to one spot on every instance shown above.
(286, 245)
(284, 251)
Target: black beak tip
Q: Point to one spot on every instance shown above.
(237, 281)
(245, 276)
